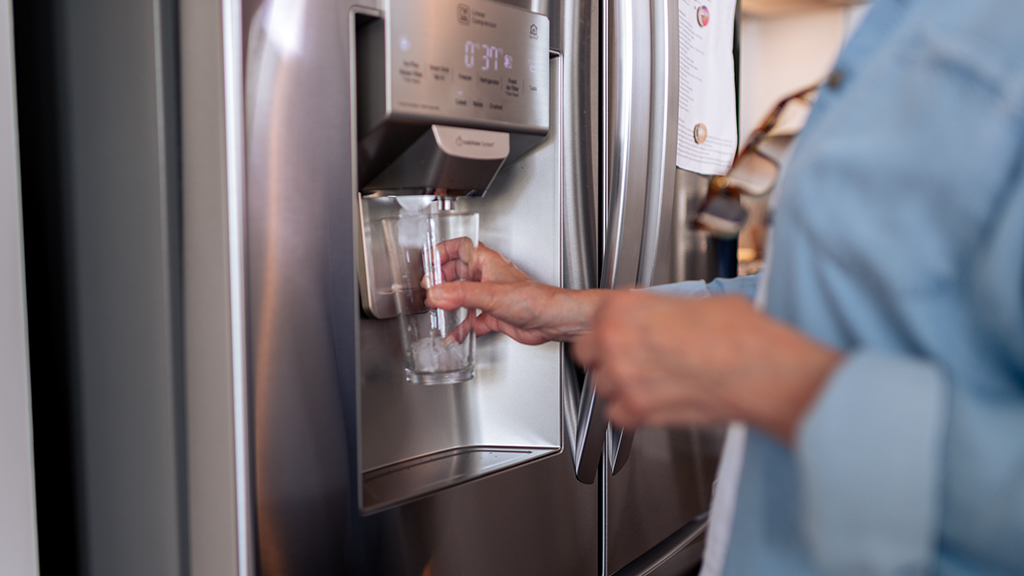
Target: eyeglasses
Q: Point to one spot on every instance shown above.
(756, 168)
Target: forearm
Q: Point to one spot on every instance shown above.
(783, 384)
(572, 312)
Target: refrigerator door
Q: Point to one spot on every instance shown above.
(657, 481)
(321, 422)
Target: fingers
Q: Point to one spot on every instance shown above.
(456, 249)
(452, 295)
(455, 270)
(459, 334)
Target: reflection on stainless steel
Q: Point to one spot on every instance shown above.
(661, 171)
(409, 479)
(354, 470)
(234, 146)
(655, 248)
(678, 466)
(627, 120)
(445, 62)
(336, 428)
(514, 400)
(462, 160)
(690, 260)
(673, 556)
(620, 444)
(591, 427)
(581, 203)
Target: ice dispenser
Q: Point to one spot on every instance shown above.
(453, 116)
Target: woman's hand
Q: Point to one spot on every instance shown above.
(673, 362)
(510, 301)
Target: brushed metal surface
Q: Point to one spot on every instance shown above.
(619, 444)
(475, 63)
(655, 249)
(581, 208)
(411, 479)
(19, 552)
(627, 115)
(689, 252)
(666, 484)
(627, 138)
(591, 429)
(661, 171)
(581, 127)
(515, 399)
(451, 161)
(119, 194)
(214, 339)
(467, 63)
(677, 555)
(325, 406)
(665, 480)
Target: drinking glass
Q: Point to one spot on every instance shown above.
(425, 250)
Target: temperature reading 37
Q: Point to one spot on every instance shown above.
(492, 58)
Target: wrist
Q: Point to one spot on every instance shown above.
(578, 308)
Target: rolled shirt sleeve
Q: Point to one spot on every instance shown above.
(744, 286)
(878, 428)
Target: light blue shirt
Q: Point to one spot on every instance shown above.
(899, 239)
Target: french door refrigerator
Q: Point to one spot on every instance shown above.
(234, 388)
(355, 470)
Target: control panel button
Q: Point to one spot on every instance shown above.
(490, 81)
(440, 72)
(409, 71)
(512, 87)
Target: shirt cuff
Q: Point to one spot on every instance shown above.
(742, 286)
(688, 289)
(870, 458)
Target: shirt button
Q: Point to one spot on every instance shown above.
(835, 80)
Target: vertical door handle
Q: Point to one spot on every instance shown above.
(626, 57)
(591, 427)
(620, 444)
(635, 181)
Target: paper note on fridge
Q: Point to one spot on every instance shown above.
(707, 86)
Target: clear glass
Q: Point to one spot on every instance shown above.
(424, 250)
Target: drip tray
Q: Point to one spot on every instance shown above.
(417, 477)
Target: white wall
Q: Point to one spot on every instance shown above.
(18, 556)
(782, 53)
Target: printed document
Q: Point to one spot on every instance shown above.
(707, 86)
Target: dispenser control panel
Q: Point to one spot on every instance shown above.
(468, 62)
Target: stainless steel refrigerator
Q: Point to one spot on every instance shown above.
(233, 396)
(356, 471)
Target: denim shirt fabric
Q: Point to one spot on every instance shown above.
(898, 238)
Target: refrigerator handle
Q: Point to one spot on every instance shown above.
(626, 132)
(620, 443)
(591, 427)
(627, 123)
(639, 57)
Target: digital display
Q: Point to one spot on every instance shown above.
(469, 63)
(487, 57)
